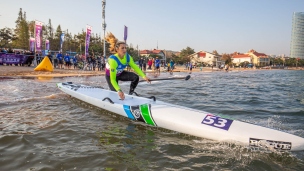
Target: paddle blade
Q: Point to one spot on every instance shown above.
(188, 77)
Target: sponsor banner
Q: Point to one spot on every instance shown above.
(12, 58)
(125, 33)
(38, 31)
(47, 45)
(217, 122)
(87, 40)
(269, 144)
(61, 41)
(32, 44)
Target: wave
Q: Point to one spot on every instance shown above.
(28, 99)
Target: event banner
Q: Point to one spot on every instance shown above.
(125, 33)
(32, 44)
(38, 31)
(47, 45)
(12, 58)
(87, 40)
(61, 41)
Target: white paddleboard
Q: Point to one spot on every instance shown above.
(185, 120)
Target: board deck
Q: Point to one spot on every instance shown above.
(185, 120)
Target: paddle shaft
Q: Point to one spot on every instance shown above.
(176, 78)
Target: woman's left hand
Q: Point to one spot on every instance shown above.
(147, 79)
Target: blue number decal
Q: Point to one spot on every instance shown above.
(217, 122)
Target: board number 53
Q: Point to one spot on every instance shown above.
(217, 122)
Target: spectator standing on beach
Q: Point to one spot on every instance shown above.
(103, 62)
(157, 67)
(150, 63)
(172, 64)
(98, 63)
(140, 63)
(144, 65)
(75, 62)
(55, 60)
(67, 61)
(31, 58)
(60, 60)
(168, 67)
(191, 66)
(78, 57)
(94, 62)
(38, 58)
(89, 62)
(153, 64)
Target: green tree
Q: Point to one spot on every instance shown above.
(133, 52)
(6, 37)
(278, 61)
(184, 55)
(21, 32)
(227, 58)
(107, 48)
(55, 45)
(96, 45)
(31, 25)
(50, 30)
(80, 42)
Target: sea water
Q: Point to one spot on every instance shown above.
(41, 128)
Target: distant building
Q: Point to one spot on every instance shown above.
(169, 53)
(297, 36)
(150, 53)
(259, 59)
(205, 57)
(240, 58)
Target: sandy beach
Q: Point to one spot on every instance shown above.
(12, 71)
(21, 71)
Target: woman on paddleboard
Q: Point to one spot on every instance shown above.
(115, 70)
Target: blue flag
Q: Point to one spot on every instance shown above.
(126, 33)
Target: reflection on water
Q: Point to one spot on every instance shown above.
(42, 128)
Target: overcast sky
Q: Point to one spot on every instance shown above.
(223, 25)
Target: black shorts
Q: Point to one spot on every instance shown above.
(124, 76)
(157, 67)
(60, 61)
(68, 63)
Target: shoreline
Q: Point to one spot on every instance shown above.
(28, 72)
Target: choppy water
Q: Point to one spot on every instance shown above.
(42, 128)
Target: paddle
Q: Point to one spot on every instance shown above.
(174, 78)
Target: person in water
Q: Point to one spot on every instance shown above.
(115, 70)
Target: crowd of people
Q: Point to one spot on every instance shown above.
(90, 63)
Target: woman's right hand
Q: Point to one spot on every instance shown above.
(121, 95)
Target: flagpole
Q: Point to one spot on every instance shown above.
(104, 25)
(35, 62)
(35, 59)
